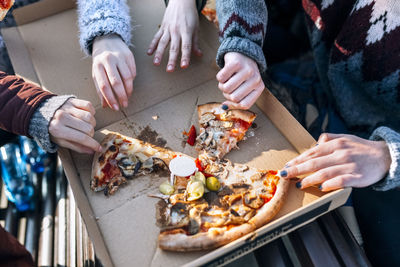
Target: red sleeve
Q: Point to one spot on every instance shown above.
(18, 102)
(13, 253)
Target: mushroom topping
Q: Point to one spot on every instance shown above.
(128, 165)
(207, 141)
(113, 185)
(206, 117)
(253, 201)
(193, 227)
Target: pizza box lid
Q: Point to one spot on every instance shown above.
(44, 49)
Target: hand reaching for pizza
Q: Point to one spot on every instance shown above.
(113, 70)
(339, 161)
(180, 27)
(72, 126)
(240, 81)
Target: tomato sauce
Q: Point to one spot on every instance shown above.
(5, 4)
(198, 165)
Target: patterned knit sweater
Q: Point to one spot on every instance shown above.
(356, 46)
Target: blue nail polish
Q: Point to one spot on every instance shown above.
(316, 144)
(225, 107)
(320, 187)
(298, 184)
(286, 166)
(284, 173)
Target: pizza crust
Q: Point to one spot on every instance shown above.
(202, 241)
(96, 166)
(245, 115)
(270, 209)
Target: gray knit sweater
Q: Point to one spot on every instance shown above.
(359, 66)
(95, 18)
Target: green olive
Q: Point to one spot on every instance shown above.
(195, 190)
(166, 188)
(213, 184)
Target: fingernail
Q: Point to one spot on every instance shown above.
(170, 67)
(283, 173)
(125, 104)
(156, 60)
(225, 107)
(320, 187)
(149, 51)
(183, 63)
(316, 144)
(286, 165)
(115, 107)
(298, 184)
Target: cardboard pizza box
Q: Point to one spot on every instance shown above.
(44, 49)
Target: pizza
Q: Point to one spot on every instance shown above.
(5, 5)
(209, 12)
(221, 130)
(232, 201)
(208, 201)
(122, 159)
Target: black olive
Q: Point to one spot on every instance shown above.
(193, 227)
(112, 148)
(234, 212)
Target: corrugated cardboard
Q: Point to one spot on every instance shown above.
(44, 49)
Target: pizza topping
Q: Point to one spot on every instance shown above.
(6, 4)
(129, 166)
(113, 185)
(166, 188)
(193, 227)
(253, 201)
(191, 136)
(212, 199)
(213, 184)
(206, 117)
(195, 190)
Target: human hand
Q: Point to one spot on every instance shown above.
(339, 161)
(240, 81)
(113, 70)
(180, 26)
(72, 126)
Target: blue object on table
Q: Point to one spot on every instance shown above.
(33, 154)
(18, 186)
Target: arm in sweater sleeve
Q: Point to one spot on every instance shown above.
(18, 102)
(392, 140)
(242, 28)
(102, 17)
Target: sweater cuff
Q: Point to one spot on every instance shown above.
(40, 121)
(392, 140)
(243, 46)
(104, 23)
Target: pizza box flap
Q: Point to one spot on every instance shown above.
(44, 49)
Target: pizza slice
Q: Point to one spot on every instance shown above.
(221, 130)
(5, 5)
(122, 159)
(205, 213)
